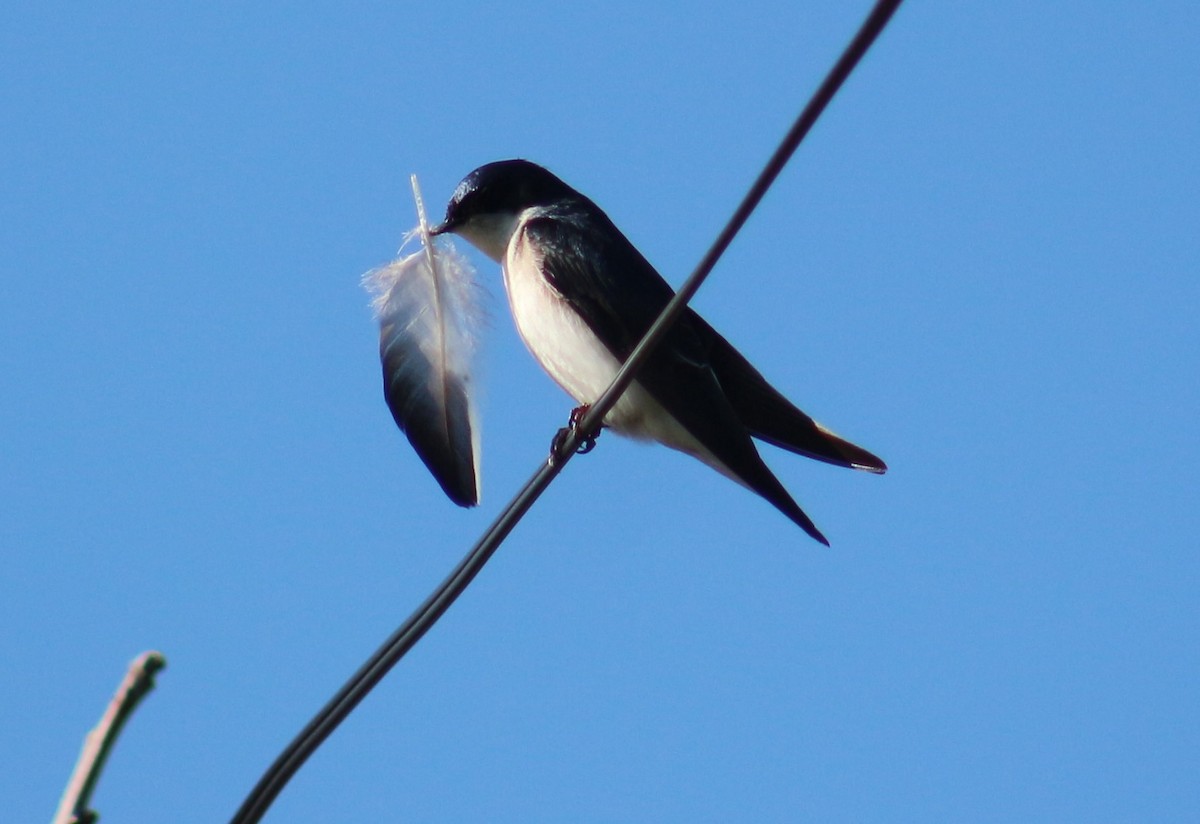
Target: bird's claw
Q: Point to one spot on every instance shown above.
(587, 441)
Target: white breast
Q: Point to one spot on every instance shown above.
(576, 359)
(556, 335)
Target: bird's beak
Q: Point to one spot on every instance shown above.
(440, 229)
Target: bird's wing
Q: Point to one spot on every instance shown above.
(619, 301)
(622, 301)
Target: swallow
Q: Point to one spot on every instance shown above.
(582, 296)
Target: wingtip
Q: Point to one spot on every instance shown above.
(802, 520)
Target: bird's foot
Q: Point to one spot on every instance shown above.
(587, 441)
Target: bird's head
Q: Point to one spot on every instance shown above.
(488, 203)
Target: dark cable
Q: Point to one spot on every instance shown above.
(426, 615)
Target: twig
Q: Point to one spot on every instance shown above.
(426, 615)
(136, 685)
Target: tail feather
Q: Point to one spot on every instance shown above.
(771, 417)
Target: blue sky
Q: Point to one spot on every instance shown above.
(982, 265)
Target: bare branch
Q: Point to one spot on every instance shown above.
(137, 683)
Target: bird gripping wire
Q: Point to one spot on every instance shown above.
(427, 614)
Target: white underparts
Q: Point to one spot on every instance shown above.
(578, 361)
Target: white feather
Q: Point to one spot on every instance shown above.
(429, 313)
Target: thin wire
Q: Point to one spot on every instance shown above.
(426, 615)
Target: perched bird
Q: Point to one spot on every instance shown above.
(582, 297)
